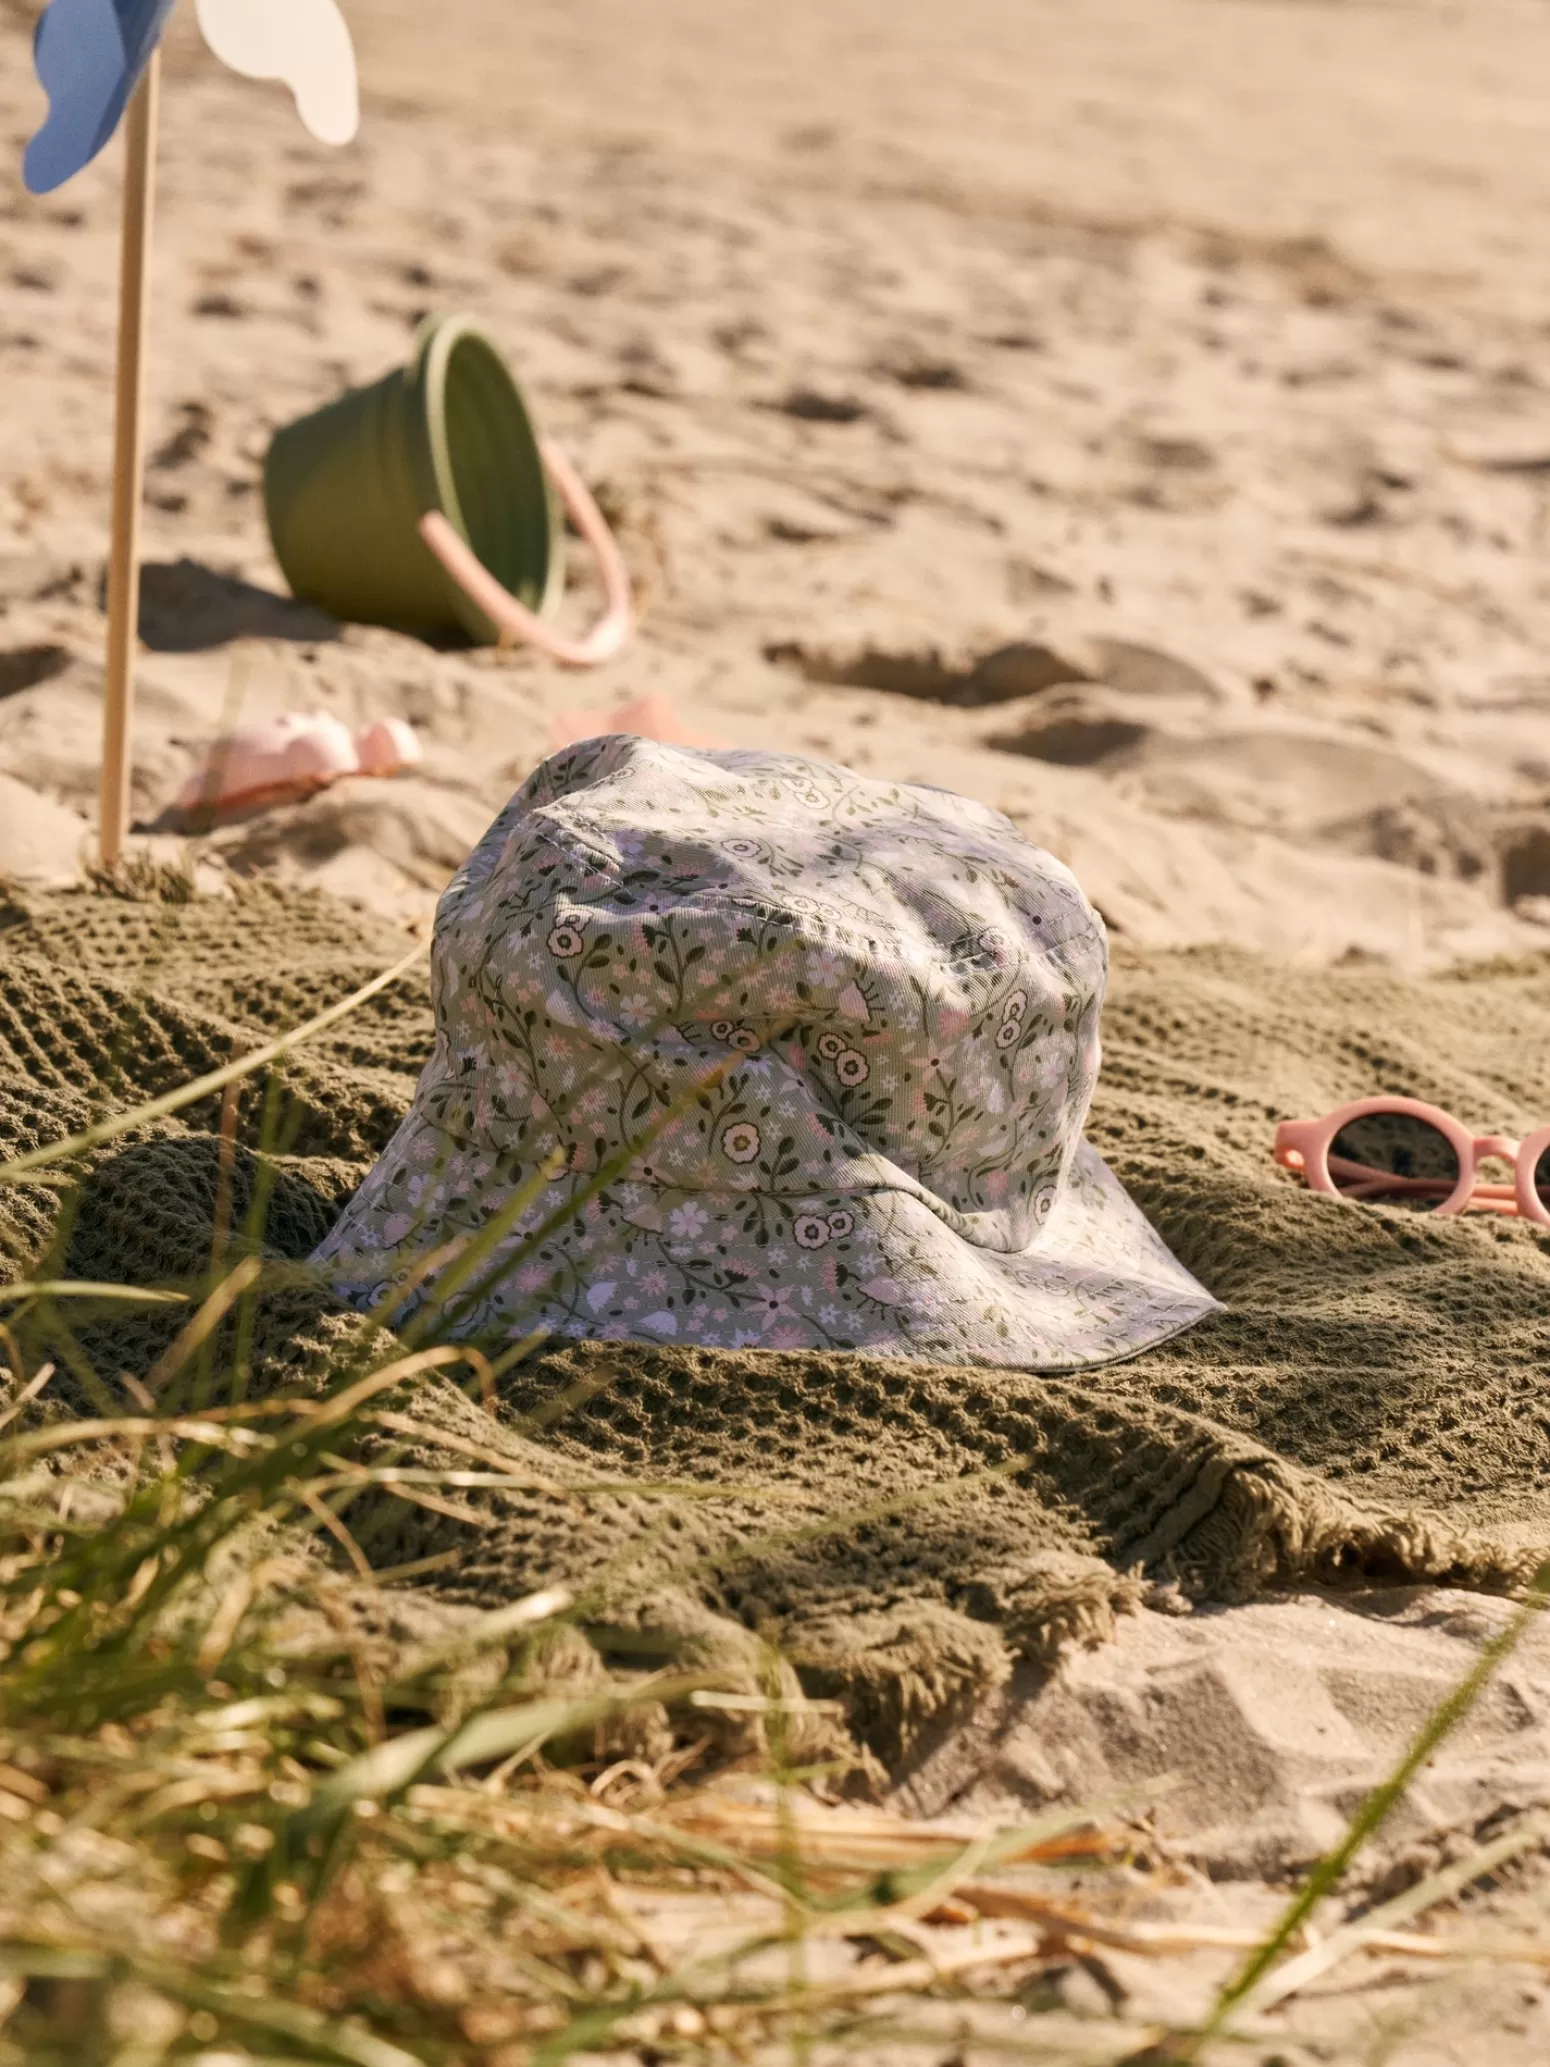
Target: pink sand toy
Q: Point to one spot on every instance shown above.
(279, 760)
(1404, 1152)
(645, 717)
(388, 747)
(514, 622)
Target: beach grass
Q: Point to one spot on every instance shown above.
(255, 1805)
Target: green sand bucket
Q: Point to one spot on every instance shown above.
(345, 490)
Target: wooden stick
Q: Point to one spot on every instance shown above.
(128, 464)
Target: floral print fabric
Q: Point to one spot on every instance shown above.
(741, 1048)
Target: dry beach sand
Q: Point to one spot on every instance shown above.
(1134, 415)
(1189, 349)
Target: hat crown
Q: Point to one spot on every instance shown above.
(791, 978)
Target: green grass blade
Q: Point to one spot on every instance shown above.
(1373, 1814)
(86, 1288)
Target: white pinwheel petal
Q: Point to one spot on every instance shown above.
(305, 43)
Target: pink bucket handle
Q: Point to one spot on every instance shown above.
(511, 618)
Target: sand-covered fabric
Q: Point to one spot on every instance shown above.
(1373, 1400)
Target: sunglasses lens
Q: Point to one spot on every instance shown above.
(1394, 1159)
(1542, 1178)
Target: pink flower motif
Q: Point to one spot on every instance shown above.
(852, 1068)
(787, 1338)
(396, 1228)
(886, 1291)
(745, 1040)
(740, 1141)
(566, 940)
(532, 1277)
(1011, 1033)
(773, 1307)
(841, 1224)
(830, 1045)
(824, 967)
(811, 1230)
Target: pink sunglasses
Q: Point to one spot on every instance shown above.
(1403, 1152)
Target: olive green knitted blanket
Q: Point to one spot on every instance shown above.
(1374, 1402)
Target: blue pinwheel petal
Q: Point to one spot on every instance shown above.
(89, 56)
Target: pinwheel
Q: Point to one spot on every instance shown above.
(95, 59)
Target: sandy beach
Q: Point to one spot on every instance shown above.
(1157, 451)
(1136, 417)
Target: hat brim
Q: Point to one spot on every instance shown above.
(874, 1270)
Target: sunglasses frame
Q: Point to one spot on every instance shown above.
(1304, 1145)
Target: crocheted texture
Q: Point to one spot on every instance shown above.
(1372, 1401)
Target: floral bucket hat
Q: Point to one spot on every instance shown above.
(739, 1048)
